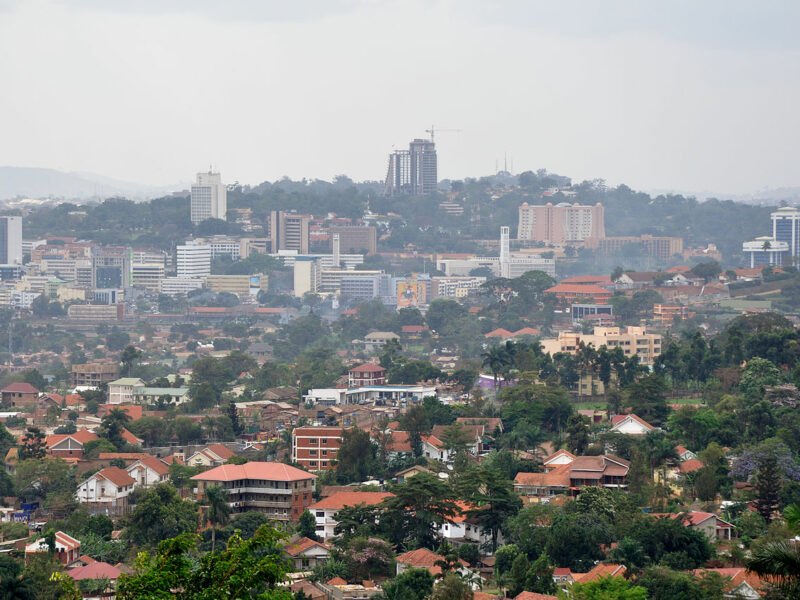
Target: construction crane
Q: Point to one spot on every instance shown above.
(432, 129)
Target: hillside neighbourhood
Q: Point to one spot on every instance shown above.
(332, 393)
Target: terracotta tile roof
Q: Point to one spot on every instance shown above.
(134, 411)
(254, 470)
(600, 571)
(367, 368)
(561, 452)
(20, 388)
(473, 432)
(558, 477)
(303, 544)
(130, 438)
(151, 462)
(422, 558)
(341, 499)
(81, 436)
(691, 465)
(583, 279)
(173, 459)
(337, 581)
(223, 452)
(737, 575)
(122, 455)
(534, 596)
(499, 332)
(584, 290)
(116, 476)
(95, 570)
(617, 419)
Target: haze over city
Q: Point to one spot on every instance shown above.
(676, 96)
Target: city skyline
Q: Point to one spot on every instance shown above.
(635, 94)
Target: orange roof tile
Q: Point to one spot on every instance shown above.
(116, 476)
(341, 499)
(254, 470)
(303, 544)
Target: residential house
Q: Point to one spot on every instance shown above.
(69, 444)
(436, 444)
(148, 471)
(684, 454)
(741, 583)
(107, 489)
(462, 528)
(97, 570)
(604, 470)
(710, 524)
(154, 395)
(526, 595)
(600, 571)
(18, 395)
(561, 457)
(68, 549)
(280, 491)
(326, 509)
(408, 473)
(93, 374)
(630, 425)
(121, 391)
(374, 341)
(422, 558)
(210, 456)
(306, 553)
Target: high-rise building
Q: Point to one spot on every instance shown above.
(193, 260)
(561, 223)
(111, 268)
(292, 230)
(413, 171)
(209, 198)
(10, 240)
(786, 228)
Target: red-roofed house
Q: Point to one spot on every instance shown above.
(148, 471)
(365, 375)
(130, 438)
(560, 457)
(742, 584)
(96, 570)
(69, 444)
(107, 489)
(422, 558)
(211, 456)
(599, 572)
(325, 510)
(464, 528)
(68, 549)
(599, 280)
(710, 524)
(605, 470)
(630, 425)
(306, 553)
(691, 465)
(280, 491)
(19, 394)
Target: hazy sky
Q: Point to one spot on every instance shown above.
(672, 94)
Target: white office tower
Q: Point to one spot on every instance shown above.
(194, 260)
(505, 253)
(337, 262)
(209, 198)
(10, 240)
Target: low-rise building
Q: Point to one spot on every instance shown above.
(67, 551)
(211, 456)
(69, 445)
(108, 489)
(280, 491)
(148, 471)
(19, 394)
(326, 509)
(366, 374)
(306, 553)
(93, 374)
(121, 391)
(630, 425)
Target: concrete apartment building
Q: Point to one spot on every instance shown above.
(632, 340)
(414, 171)
(280, 491)
(561, 223)
(93, 374)
(10, 240)
(288, 231)
(315, 448)
(355, 238)
(209, 198)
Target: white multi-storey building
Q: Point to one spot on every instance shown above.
(11, 240)
(193, 260)
(209, 198)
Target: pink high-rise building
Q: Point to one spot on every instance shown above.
(562, 223)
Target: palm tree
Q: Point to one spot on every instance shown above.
(779, 562)
(218, 510)
(496, 359)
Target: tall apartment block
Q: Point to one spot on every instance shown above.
(288, 231)
(209, 198)
(561, 223)
(413, 171)
(10, 240)
(786, 228)
(193, 260)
